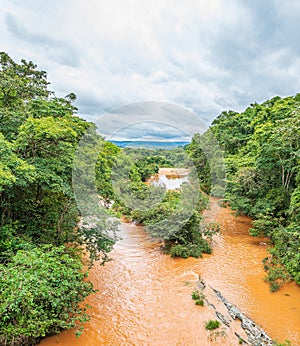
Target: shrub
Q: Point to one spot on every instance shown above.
(179, 251)
(198, 297)
(277, 274)
(217, 191)
(212, 324)
(199, 302)
(285, 343)
(204, 246)
(40, 292)
(195, 295)
(195, 251)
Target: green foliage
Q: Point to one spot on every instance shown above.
(165, 214)
(105, 162)
(149, 166)
(215, 334)
(13, 169)
(179, 251)
(261, 148)
(208, 158)
(175, 157)
(212, 324)
(264, 225)
(188, 240)
(277, 275)
(191, 237)
(20, 82)
(41, 286)
(199, 302)
(285, 343)
(198, 297)
(294, 210)
(195, 295)
(10, 243)
(284, 262)
(40, 292)
(200, 161)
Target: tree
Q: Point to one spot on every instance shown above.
(262, 155)
(20, 82)
(41, 289)
(42, 282)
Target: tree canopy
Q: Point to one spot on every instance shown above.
(262, 155)
(41, 270)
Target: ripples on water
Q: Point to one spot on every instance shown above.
(144, 296)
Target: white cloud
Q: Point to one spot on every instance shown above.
(205, 55)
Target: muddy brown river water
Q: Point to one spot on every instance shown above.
(144, 296)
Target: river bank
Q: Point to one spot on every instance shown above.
(144, 296)
(235, 269)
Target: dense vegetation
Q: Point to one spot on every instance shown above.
(262, 156)
(41, 272)
(49, 158)
(42, 277)
(172, 216)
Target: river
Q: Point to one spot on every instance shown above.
(144, 296)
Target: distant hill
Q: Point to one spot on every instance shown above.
(148, 144)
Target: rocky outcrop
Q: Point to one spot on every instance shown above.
(256, 335)
(250, 332)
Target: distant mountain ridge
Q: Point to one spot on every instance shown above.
(149, 144)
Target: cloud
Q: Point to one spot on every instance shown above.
(62, 52)
(203, 55)
(144, 119)
(149, 131)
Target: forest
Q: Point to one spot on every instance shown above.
(262, 157)
(172, 216)
(42, 274)
(46, 248)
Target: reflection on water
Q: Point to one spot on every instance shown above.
(171, 183)
(171, 178)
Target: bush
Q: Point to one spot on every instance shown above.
(217, 191)
(199, 302)
(195, 251)
(40, 292)
(204, 246)
(195, 295)
(212, 324)
(277, 274)
(179, 251)
(285, 343)
(198, 297)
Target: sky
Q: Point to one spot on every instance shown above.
(204, 56)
